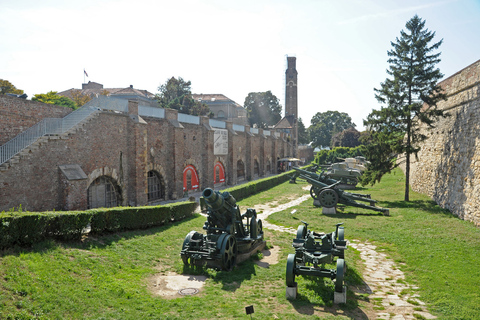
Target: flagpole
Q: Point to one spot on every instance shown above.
(83, 75)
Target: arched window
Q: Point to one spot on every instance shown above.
(221, 114)
(103, 193)
(240, 170)
(156, 186)
(219, 173)
(190, 178)
(256, 170)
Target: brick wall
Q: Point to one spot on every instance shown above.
(17, 115)
(448, 166)
(125, 147)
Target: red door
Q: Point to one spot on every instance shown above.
(190, 178)
(218, 173)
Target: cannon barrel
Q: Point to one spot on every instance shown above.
(216, 200)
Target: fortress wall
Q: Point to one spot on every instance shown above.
(448, 166)
(125, 148)
(17, 115)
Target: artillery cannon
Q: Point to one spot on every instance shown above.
(314, 250)
(340, 171)
(226, 236)
(329, 194)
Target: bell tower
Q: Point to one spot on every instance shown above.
(291, 105)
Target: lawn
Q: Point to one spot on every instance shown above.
(107, 276)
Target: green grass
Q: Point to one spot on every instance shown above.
(106, 277)
(438, 252)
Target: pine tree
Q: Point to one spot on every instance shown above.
(408, 97)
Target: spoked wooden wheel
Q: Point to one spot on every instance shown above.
(229, 252)
(328, 198)
(340, 274)
(290, 273)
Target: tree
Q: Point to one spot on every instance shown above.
(176, 94)
(263, 109)
(53, 98)
(7, 87)
(79, 98)
(326, 124)
(302, 133)
(408, 97)
(346, 138)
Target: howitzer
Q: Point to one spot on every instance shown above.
(227, 235)
(329, 195)
(314, 250)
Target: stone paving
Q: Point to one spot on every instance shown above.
(385, 282)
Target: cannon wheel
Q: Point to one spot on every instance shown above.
(290, 274)
(341, 233)
(301, 232)
(340, 273)
(228, 252)
(328, 198)
(191, 235)
(314, 192)
(253, 228)
(259, 227)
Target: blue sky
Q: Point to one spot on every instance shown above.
(227, 47)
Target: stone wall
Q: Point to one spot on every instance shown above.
(125, 147)
(18, 114)
(448, 166)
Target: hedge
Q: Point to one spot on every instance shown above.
(26, 228)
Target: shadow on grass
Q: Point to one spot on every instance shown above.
(232, 280)
(304, 305)
(90, 240)
(428, 206)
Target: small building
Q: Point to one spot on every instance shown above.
(223, 108)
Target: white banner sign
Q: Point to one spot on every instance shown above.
(220, 142)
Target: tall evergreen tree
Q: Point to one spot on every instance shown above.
(408, 97)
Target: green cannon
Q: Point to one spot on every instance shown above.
(227, 236)
(329, 194)
(312, 251)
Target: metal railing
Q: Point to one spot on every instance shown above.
(48, 126)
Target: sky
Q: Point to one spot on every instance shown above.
(227, 47)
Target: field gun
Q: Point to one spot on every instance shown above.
(329, 194)
(227, 235)
(313, 250)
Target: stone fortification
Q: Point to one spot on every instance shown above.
(125, 147)
(448, 165)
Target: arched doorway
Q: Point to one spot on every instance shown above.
(218, 173)
(190, 178)
(256, 168)
(103, 192)
(240, 170)
(156, 186)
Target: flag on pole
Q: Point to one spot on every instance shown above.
(85, 72)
